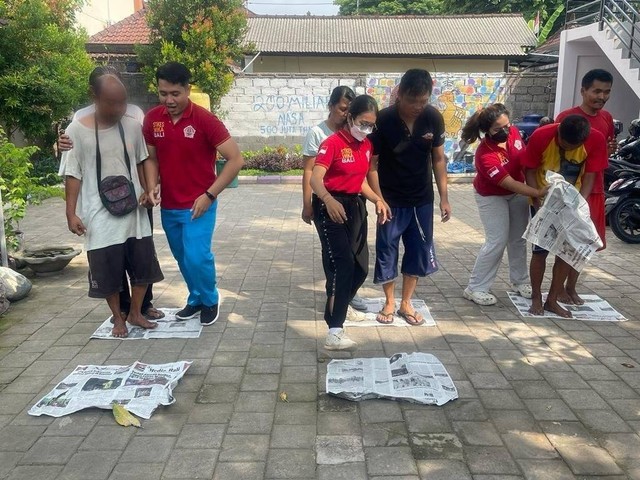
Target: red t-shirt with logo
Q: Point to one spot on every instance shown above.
(602, 122)
(186, 152)
(494, 164)
(347, 162)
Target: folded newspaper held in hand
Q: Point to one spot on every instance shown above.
(140, 387)
(415, 377)
(563, 224)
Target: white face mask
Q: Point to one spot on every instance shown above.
(359, 132)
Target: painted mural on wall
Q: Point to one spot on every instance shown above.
(290, 115)
(457, 96)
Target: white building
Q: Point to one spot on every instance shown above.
(97, 15)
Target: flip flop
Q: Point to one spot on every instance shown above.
(411, 318)
(384, 318)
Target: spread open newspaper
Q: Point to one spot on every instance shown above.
(168, 327)
(594, 309)
(416, 377)
(139, 387)
(563, 225)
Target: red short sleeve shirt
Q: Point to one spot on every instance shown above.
(186, 152)
(602, 122)
(494, 164)
(347, 162)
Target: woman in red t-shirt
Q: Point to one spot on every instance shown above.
(340, 214)
(501, 195)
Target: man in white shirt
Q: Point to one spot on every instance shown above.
(115, 242)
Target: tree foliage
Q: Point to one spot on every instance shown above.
(205, 35)
(528, 8)
(43, 65)
(390, 7)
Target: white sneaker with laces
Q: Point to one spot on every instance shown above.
(355, 316)
(359, 304)
(481, 298)
(524, 290)
(339, 341)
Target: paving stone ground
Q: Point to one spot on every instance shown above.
(539, 399)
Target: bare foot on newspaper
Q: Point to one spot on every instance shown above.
(565, 298)
(119, 329)
(536, 306)
(575, 298)
(138, 320)
(554, 306)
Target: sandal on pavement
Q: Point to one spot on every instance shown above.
(414, 319)
(481, 298)
(524, 290)
(384, 317)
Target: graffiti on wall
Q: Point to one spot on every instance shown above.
(457, 96)
(291, 115)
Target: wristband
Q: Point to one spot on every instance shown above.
(210, 195)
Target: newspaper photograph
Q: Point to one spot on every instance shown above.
(140, 387)
(415, 377)
(374, 305)
(595, 309)
(168, 327)
(563, 224)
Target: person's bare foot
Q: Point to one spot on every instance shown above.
(565, 298)
(153, 313)
(555, 307)
(575, 298)
(138, 320)
(119, 329)
(536, 306)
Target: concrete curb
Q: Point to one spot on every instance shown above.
(297, 179)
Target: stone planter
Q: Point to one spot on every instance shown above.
(48, 260)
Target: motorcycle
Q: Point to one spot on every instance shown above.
(622, 206)
(628, 155)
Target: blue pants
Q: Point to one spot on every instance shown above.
(190, 243)
(414, 225)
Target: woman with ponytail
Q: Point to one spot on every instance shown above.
(501, 195)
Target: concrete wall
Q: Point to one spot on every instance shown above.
(296, 64)
(279, 109)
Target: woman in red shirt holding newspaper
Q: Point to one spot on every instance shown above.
(501, 195)
(340, 214)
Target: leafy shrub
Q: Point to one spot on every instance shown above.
(45, 169)
(270, 159)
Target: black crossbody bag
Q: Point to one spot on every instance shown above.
(117, 192)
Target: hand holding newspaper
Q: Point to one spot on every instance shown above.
(563, 224)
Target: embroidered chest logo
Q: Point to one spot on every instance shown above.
(428, 136)
(189, 132)
(347, 156)
(518, 145)
(158, 129)
(503, 158)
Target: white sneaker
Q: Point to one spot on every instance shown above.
(481, 298)
(355, 316)
(339, 341)
(359, 304)
(524, 290)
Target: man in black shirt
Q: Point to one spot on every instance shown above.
(408, 150)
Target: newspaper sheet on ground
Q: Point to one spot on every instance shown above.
(595, 309)
(374, 305)
(563, 225)
(168, 327)
(140, 387)
(415, 377)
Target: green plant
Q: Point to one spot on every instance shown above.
(548, 26)
(273, 159)
(205, 35)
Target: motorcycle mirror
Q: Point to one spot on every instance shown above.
(618, 127)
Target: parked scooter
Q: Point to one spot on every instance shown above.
(622, 206)
(628, 154)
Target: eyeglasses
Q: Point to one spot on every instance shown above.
(366, 125)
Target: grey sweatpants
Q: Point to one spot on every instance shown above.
(505, 219)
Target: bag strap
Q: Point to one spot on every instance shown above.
(99, 157)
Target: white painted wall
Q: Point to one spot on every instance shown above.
(96, 15)
(581, 53)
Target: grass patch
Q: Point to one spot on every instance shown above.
(256, 172)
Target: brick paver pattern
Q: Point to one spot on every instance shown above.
(539, 399)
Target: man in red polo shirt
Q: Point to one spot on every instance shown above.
(595, 91)
(183, 141)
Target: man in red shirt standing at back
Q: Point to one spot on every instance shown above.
(183, 141)
(595, 91)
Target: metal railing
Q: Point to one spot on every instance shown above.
(620, 17)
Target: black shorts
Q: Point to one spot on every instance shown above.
(108, 265)
(535, 249)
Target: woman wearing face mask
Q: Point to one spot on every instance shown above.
(501, 195)
(339, 182)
